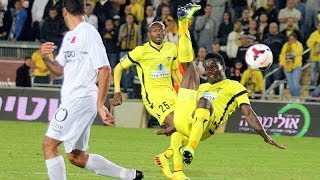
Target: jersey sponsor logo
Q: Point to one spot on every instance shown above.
(161, 72)
(68, 54)
(73, 40)
(209, 95)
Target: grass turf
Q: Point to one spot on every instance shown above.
(224, 156)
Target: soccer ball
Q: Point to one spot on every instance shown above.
(259, 57)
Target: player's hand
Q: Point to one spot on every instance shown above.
(269, 140)
(117, 99)
(168, 131)
(106, 116)
(46, 49)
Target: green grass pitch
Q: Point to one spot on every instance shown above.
(224, 156)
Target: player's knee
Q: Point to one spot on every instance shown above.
(78, 158)
(204, 103)
(50, 145)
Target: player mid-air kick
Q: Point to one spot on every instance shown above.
(201, 109)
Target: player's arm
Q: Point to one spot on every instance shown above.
(252, 119)
(45, 51)
(104, 74)
(176, 76)
(117, 74)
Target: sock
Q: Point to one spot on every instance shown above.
(185, 50)
(102, 166)
(201, 121)
(56, 168)
(168, 153)
(177, 142)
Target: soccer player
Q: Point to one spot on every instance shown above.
(200, 112)
(82, 59)
(156, 63)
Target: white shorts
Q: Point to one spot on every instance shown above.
(72, 121)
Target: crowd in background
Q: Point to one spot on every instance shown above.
(227, 27)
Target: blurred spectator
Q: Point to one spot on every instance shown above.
(103, 10)
(254, 5)
(127, 10)
(206, 29)
(5, 20)
(274, 40)
(165, 15)
(253, 81)
(233, 42)
(41, 71)
(147, 20)
(90, 17)
(253, 26)
(291, 29)
(164, 3)
(4, 4)
(129, 36)
(110, 39)
(198, 61)
(23, 78)
(247, 40)
(236, 71)
(289, 12)
(37, 14)
(300, 6)
(137, 10)
(57, 4)
(52, 28)
(229, 64)
(270, 9)
(116, 22)
(263, 26)
(172, 32)
(219, 7)
(245, 19)
(314, 44)
(291, 60)
(19, 19)
(312, 8)
(238, 6)
(225, 28)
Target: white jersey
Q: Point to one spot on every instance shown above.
(81, 54)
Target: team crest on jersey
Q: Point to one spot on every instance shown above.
(209, 95)
(160, 72)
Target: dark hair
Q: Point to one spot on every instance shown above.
(27, 57)
(74, 7)
(216, 57)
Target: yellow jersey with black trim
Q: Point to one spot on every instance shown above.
(225, 97)
(153, 66)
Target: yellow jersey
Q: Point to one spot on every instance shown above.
(154, 67)
(39, 64)
(225, 97)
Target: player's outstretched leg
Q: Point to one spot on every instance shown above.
(185, 51)
(179, 176)
(163, 162)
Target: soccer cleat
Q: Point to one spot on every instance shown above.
(187, 11)
(139, 175)
(188, 154)
(161, 161)
(179, 176)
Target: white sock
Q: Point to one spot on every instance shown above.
(102, 166)
(56, 168)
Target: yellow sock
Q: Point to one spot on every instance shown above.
(185, 50)
(177, 142)
(168, 153)
(201, 121)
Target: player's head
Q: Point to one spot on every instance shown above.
(156, 32)
(214, 67)
(71, 8)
